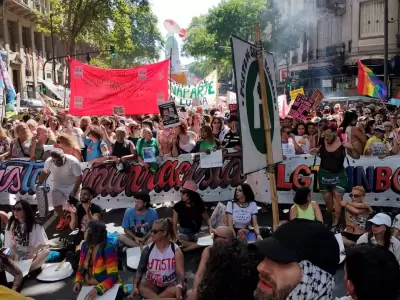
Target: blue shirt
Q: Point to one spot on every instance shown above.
(139, 224)
(93, 149)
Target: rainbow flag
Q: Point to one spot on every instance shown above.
(369, 84)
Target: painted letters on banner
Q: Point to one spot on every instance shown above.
(114, 189)
(250, 106)
(205, 91)
(96, 91)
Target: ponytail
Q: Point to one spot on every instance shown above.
(170, 229)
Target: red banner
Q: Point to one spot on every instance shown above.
(96, 92)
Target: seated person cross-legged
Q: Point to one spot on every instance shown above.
(98, 263)
(190, 212)
(161, 272)
(138, 221)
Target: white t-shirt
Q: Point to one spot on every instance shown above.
(161, 268)
(394, 244)
(16, 238)
(64, 176)
(241, 215)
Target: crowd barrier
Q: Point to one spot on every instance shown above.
(114, 189)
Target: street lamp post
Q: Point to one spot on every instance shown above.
(52, 47)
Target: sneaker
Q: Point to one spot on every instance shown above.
(62, 224)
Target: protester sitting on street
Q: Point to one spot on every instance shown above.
(304, 207)
(242, 212)
(96, 148)
(98, 263)
(207, 142)
(377, 145)
(161, 272)
(380, 234)
(8, 265)
(26, 237)
(138, 221)
(357, 213)
(21, 145)
(299, 262)
(67, 144)
(42, 138)
(67, 178)
(371, 272)
(84, 212)
(123, 150)
(221, 235)
(189, 213)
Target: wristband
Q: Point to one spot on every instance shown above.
(179, 286)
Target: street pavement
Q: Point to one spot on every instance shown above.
(62, 290)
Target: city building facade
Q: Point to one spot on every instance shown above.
(336, 34)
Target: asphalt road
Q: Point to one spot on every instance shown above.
(62, 290)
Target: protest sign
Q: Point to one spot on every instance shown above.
(294, 93)
(119, 110)
(205, 91)
(317, 96)
(96, 91)
(212, 160)
(233, 109)
(169, 114)
(301, 108)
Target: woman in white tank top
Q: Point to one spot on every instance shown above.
(161, 272)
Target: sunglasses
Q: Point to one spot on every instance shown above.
(155, 231)
(17, 209)
(328, 134)
(355, 195)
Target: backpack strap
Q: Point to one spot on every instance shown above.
(172, 247)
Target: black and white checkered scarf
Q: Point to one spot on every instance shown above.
(315, 284)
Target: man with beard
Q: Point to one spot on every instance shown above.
(299, 262)
(84, 212)
(332, 177)
(222, 234)
(67, 179)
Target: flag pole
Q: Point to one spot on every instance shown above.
(267, 129)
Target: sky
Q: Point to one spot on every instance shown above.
(182, 12)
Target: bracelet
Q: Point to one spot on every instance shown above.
(179, 286)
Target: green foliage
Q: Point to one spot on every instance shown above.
(129, 25)
(229, 17)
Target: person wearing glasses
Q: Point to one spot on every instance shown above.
(26, 237)
(290, 147)
(332, 177)
(161, 272)
(357, 213)
(222, 234)
(67, 179)
(190, 213)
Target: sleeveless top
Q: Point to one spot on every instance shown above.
(121, 149)
(186, 148)
(332, 161)
(307, 214)
(161, 269)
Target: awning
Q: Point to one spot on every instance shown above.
(59, 91)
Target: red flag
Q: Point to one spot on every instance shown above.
(97, 92)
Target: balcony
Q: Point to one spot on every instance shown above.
(22, 8)
(338, 7)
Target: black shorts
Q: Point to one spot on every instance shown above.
(351, 236)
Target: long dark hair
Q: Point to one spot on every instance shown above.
(195, 198)
(387, 237)
(349, 116)
(247, 192)
(297, 127)
(96, 233)
(30, 219)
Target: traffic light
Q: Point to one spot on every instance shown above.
(288, 84)
(112, 50)
(216, 48)
(44, 89)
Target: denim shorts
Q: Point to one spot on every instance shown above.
(189, 234)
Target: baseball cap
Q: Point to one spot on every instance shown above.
(299, 240)
(379, 127)
(396, 222)
(381, 219)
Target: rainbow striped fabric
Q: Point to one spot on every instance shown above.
(369, 84)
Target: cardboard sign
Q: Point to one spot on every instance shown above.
(119, 110)
(301, 108)
(317, 96)
(294, 94)
(233, 109)
(169, 114)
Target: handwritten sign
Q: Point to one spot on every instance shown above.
(301, 108)
(294, 93)
(169, 114)
(317, 96)
(233, 109)
(212, 160)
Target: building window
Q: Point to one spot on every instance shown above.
(371, 19)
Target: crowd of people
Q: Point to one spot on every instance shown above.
(299, 260)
